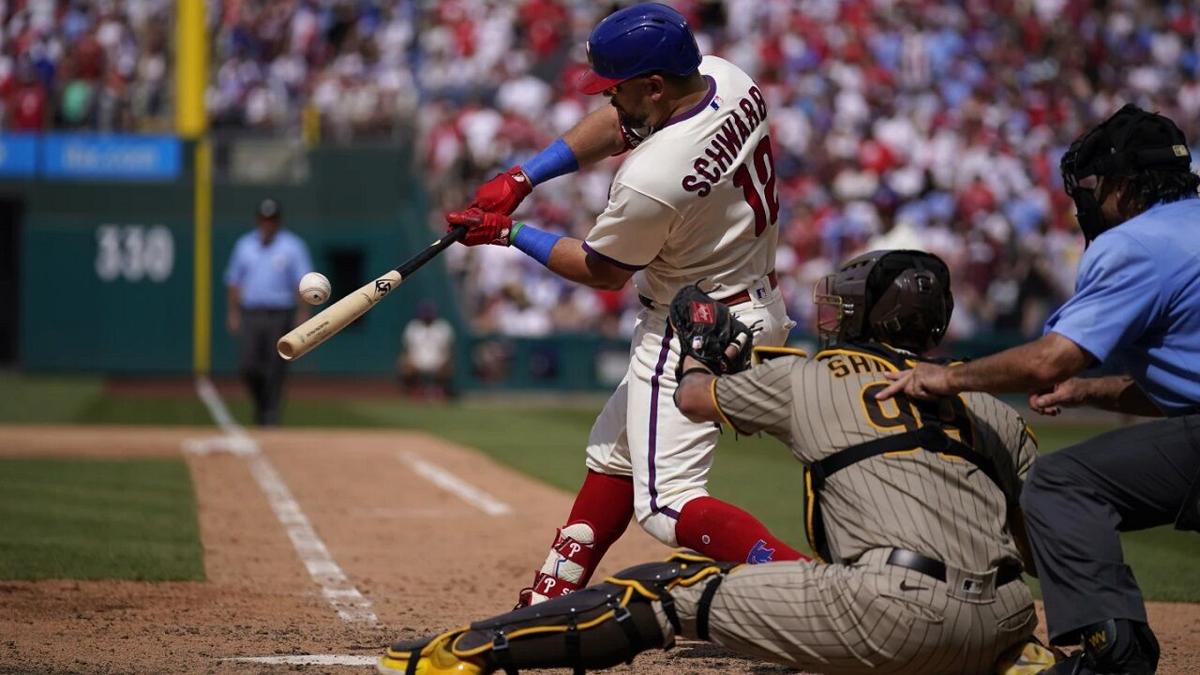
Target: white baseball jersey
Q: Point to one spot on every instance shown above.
(428, 345)
(697, 199)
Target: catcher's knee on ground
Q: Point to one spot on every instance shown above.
(597, 627)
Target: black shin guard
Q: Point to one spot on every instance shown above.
(597, 627)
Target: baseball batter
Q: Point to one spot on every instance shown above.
(694, 199)
(912, 505)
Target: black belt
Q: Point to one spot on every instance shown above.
(1008, 571)
(735, 299)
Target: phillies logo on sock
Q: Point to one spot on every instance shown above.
(759, 553)
(548, 585)
(702, 312)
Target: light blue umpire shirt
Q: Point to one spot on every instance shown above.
(1136, 306)
(268, 277)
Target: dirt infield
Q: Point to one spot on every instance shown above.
(425, 558)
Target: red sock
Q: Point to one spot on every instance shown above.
(724, 532)
(606, 504)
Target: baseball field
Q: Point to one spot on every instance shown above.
(144, 529)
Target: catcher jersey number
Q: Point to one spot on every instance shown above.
(900, 414)
(764, 169)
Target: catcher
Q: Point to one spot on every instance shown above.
(911, 505)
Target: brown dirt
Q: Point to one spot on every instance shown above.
(426, 559)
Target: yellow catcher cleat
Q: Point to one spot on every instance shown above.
(1027, 658)
(433, 657)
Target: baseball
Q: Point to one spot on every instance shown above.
(314, 288)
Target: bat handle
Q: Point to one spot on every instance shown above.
(413, 264)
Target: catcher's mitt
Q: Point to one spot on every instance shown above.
(707, 330)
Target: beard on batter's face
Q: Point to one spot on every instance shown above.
(629, 119)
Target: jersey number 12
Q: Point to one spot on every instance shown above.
(764, 170)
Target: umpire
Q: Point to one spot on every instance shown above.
(1136, 315)
(262, 283)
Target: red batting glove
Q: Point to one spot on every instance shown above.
(504, 193)
(483, 227)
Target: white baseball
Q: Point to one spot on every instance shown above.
(314, 288)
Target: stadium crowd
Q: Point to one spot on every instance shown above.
(932, 124)
(936, 125)
(85, 65)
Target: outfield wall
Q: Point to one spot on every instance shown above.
(106, 264)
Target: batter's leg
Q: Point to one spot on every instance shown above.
(722, 531)
(601, 512)
(671, 457)
(1075, 502)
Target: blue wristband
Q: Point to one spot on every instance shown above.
(536, 243)
(556, 160)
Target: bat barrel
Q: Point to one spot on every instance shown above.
(305, 337)
(292, 346)
(328, 322)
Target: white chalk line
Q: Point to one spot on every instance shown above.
(218, 444)
(455, 485)
(310, 660)
(337, 589)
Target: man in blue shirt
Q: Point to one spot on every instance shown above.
(262, 282)
(1135, 317)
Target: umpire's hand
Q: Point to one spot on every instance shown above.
(925, 381)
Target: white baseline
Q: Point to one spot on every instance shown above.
(455, 485)
(342, 595)
(310, 660)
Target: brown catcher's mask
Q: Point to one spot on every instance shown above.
(1129, 142)
(901, 298)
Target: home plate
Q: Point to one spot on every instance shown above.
(310, 660)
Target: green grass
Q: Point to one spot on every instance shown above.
(45, 399)
(547, 442)
(92, 519)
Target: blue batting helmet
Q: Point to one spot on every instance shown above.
(636, 40)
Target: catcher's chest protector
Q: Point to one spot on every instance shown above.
(930, 436)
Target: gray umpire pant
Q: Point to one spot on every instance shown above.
(261, 366)
(1076, 501)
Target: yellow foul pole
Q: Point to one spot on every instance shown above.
(191, 123)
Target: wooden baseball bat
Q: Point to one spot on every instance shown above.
(328, 322)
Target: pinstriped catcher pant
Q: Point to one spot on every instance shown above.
(868, 616)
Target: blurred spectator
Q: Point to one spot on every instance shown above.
(349, 61)
(85, 65)
(26, 100)
(428, 354)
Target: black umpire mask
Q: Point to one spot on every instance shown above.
(1087, 207)
(1130, 141)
